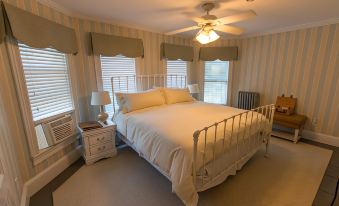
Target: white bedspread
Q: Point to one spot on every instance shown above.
(164, 136)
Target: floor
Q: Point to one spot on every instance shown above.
(326, 196)
(328, 190)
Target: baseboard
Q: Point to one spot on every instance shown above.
(322, 138)
(40, 180)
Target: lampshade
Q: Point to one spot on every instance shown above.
(100, 98)
(193, 88)
(206, 36)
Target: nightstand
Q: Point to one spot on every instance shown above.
(99, 143)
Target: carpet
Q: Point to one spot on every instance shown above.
(290, 175)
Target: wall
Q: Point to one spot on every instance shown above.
(304, 63)
(85, 81)
(9, 134)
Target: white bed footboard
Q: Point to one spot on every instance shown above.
(247, 130)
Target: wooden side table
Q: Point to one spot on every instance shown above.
(99, 143)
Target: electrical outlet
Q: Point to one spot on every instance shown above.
(314, 121)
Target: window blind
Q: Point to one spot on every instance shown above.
(176, 67)
(47, 81)
(215, 81)
(116, 66)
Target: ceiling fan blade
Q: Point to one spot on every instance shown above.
(229, 29)
(236, 18)
(182, 30)
(199, 20)
(175, 9)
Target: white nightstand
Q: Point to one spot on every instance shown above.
(99, 143)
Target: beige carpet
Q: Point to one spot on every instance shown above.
(290, 176)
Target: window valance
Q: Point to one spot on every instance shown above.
(174, 52)
(36, 31)
(111, 45)
(221, 53)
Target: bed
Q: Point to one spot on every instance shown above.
(196, 145)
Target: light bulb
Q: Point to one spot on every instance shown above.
(205, 37)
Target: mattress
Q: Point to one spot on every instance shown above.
(164, 136)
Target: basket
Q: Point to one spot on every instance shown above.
(286, 105)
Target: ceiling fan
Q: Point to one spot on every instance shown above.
(209, 23)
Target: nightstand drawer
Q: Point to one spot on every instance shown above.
(100, 148)
(100, 138)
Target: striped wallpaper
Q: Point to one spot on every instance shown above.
(86, 82)
(304, 63)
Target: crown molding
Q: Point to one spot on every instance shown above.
(60, 8)
(116, 23)
(57, 7)
(293, 28)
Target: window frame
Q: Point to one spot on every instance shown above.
(98, 71)
(187, 69)
(56, 116)
(228, 83)
(38, 155)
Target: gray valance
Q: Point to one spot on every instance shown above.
(36, 31)
(221, 53)
(110, 45)
(174, 52)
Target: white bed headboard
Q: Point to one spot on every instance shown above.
(137, 83)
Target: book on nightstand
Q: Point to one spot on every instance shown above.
(85, 126)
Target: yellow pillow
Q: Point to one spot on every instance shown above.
(173, 96)
(134, 101)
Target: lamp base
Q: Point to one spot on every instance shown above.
(196, 96)
(102, 116)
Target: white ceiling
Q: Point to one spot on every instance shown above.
(166, 15)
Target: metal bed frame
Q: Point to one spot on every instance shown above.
(136, 83)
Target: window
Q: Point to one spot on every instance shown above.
(47, 81)
(112, 67)
(176, 67)
(48, 85)
(215, 82)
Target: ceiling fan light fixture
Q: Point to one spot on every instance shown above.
(205, 37)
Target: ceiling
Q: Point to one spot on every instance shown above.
(166, 15)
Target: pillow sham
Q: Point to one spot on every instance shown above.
(176, 95)
(129, 102)
(120, 101)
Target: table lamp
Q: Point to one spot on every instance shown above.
(194, 89)
(101, 99)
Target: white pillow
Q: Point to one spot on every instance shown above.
(129, 102)
(120, 101)
(173, 96)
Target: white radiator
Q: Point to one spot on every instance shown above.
(248, 100)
